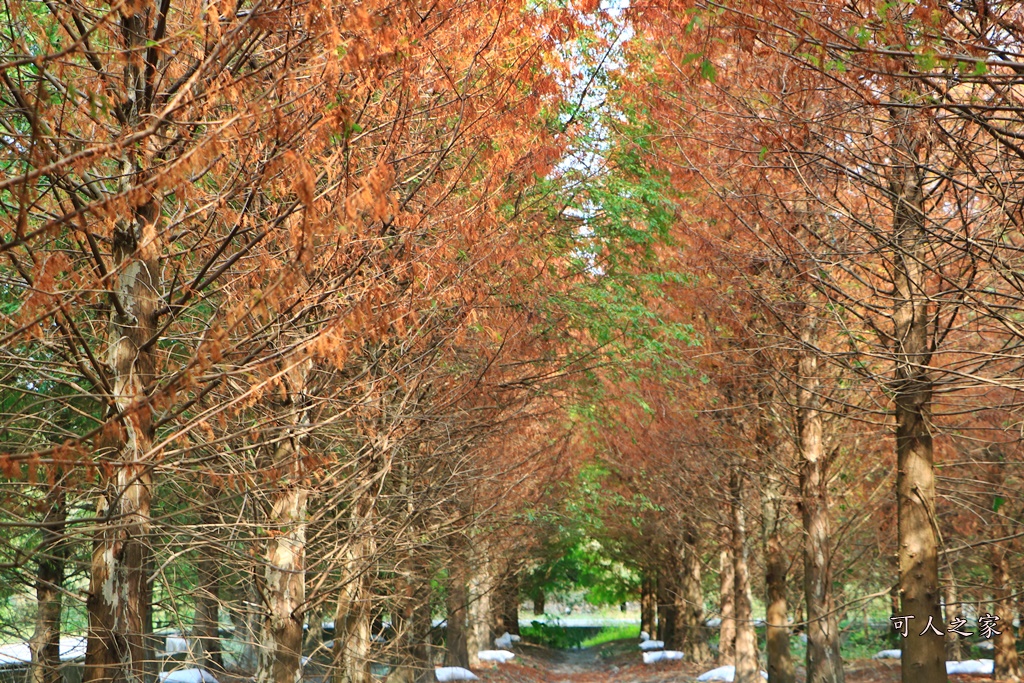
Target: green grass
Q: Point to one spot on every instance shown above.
(610, 633)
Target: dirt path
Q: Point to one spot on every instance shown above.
(621, 662)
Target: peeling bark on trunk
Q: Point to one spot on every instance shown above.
(51, 553)
(354, 616)
(119, 590)
(780, 662)
(747, 668)
(824, 664)
(690, 631)
(1007, 665)
(923, 656)
(648, 604)
(279, 659)
(727, 607)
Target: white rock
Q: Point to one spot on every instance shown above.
(649, 645)
(187, 676)
(713, 623)
(644, 635)
(454, 673)
(515, 638)
(504, 641)
(888, 654)
(662, 656)
(501, 656)
(971, 666)
(724, 673)
(986, 645)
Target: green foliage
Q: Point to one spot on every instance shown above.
(551, 635)
(610, 633)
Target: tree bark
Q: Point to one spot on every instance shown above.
(824, 664)
(207, 625)
(648, 604)
(666, 604)
(478, 635)
(457, 651)
(954, 645)
(51, 553)
(727, 607)
(780, 661)
(279, 659)
(353, 619)
(1007, 665)
(747, 668)
(691, 633)
(923, 656)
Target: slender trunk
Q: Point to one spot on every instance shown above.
(280, 653)
(824, 664)
(510, 611)
(457, 651)
(538, 602)
(478, 636)
(917, 534)
(780, 662)
(352, 621)
(119, 589)
(51, 553)
(691, 633)
(411, 621)
(747, 669)
(727, 607)
(648, 604)
(207, 626)
(505, 604)
(666, 605)
(1007, 666)
(954, 645)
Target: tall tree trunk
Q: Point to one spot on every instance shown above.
(505, 605)
(353, 619)
(648, 604)
(207, 625)
(457, 651)
(538, 602)
(918, 538)
(279, 659)
(780, 662)
(666, 603)
(51, 554)
(478, 635)
(954, 645)
(824, 664)
(691, 633)
(747, 669)
(119, 590)
(1007, 666)
(727, 607)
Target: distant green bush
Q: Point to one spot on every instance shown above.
(552, 635)
(610, 633)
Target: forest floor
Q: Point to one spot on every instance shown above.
(620, 662)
